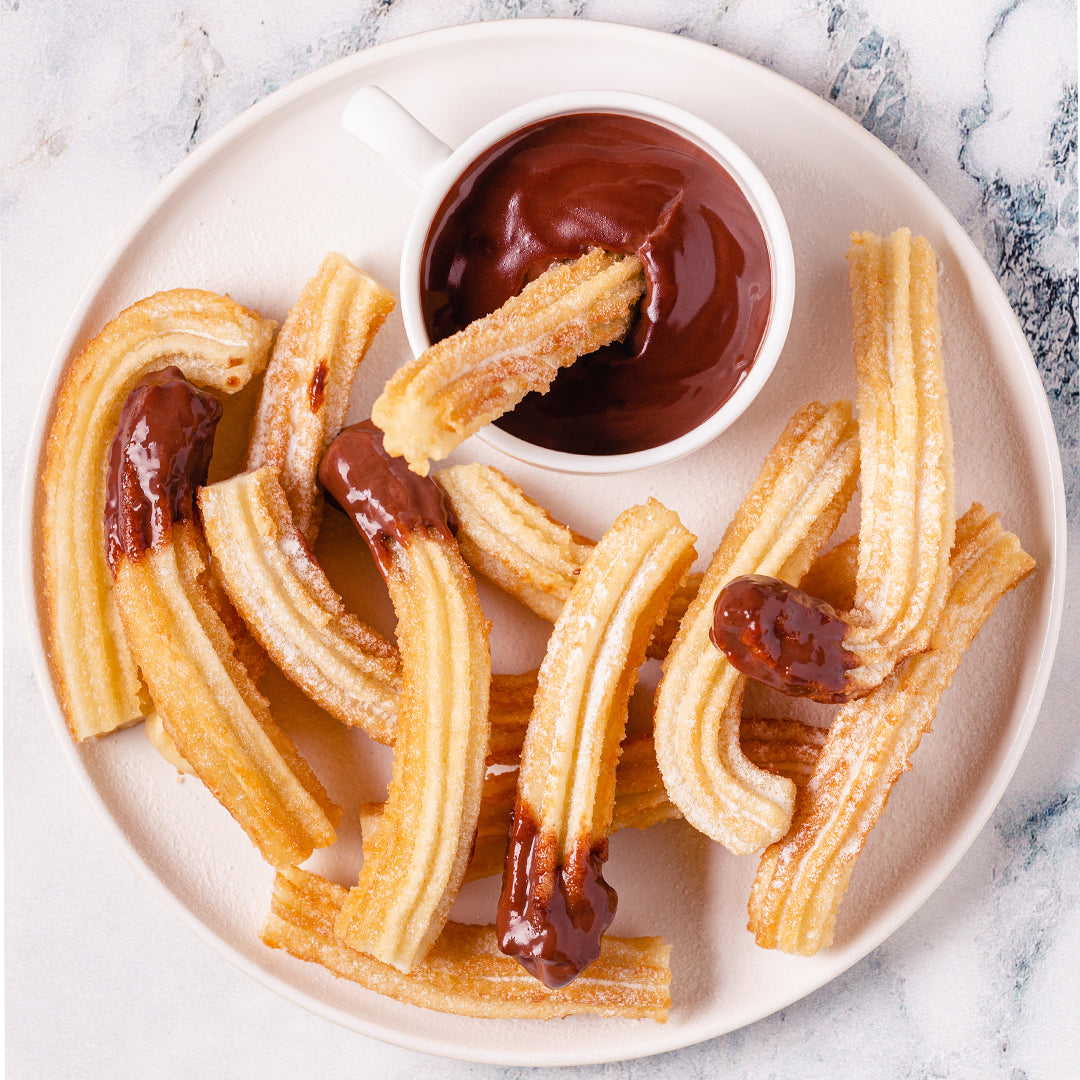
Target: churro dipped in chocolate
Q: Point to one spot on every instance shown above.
(220, 724)
(436, 401)
(305, 393)
(802, 878)
(217, 343)
(780, 635)
(555, 904)
(404, 892)
(788, 514)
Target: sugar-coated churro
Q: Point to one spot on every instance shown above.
(802, 878)
(555, 903)
(217, 343)
(465, 381)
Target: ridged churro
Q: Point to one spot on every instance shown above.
(217, 343)
(790, 511)
(801, 879)
(464, 972)
(305, 393)
(207, 703)
(555, 903)
(465, 381)
(404, 892)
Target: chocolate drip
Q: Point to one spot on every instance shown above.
(386, 500)
(159, 458)
(562, 186)
(551, 916)
(783, 637)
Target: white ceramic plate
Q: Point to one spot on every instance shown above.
(252, 212)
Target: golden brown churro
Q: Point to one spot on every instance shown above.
(208, 705)
(801, 880)
(790, 511)
(555, 903)
(404, 892)
(217, 343)
(464, 972)
(436, 401)
(305, 393)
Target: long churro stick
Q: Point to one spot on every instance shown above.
(792, 508)
(403, 895)
(218, 343)
(436, 401)
(801, 879)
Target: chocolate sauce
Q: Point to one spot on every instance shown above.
(551, 916)
(159, 459)
(386, 500)
(556, 189)
(783, 637)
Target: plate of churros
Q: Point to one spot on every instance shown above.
(493, 760)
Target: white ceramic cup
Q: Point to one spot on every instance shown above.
(385, 126)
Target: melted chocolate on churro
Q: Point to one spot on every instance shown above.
(551, 917)
(386, 500)
(783, 637)
(562, 186)
(159, 459)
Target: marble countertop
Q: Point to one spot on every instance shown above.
(104, 99)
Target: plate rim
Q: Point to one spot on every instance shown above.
(236, 129)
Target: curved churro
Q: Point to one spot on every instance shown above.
(464, 972)
(907, 523)
(220, 724)
(792, 508)
(404, 893)
(555, 903)
(305, 393)
(801, 880)
(516, 544)
(436, 401)
(218, 343)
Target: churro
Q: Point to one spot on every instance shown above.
(217, 343)
(305, 393)
(790, 511)
(404, 892)
(207, 703)
(464, 972)
(555, 904)
(465, 381)
(801, 879)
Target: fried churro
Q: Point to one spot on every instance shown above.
(404, 892)
(465, 381)
(464, 972)
(218, 343)
(555, 904)
(802, 878)
(790, 511)
(305, 393)
(207, 703)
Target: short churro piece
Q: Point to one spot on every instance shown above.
(305, 393)
(792, 508)
(907, 523)
(555, 903)
(436, 401)
(516, 544)
(801, 880)
(404, 893)
(464, 972)
(220, 724)
(217, 343)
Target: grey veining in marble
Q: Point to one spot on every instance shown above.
(103, 99)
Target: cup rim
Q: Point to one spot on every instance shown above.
(743, 171)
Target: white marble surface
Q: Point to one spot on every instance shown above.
(103, 99)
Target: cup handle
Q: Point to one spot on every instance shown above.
(388, 128)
